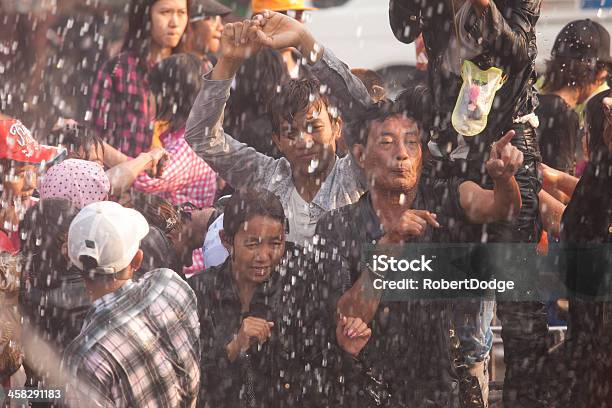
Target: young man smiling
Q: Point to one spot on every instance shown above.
(310, 179)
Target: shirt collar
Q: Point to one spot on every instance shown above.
(110, 298)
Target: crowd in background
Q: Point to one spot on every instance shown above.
(185, 208)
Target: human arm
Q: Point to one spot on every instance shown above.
(501, 32)
(483, 206)
(405, 19)
(551, 211)
(252, 328)
(233, 161)
(352, 334)
(558, 184)
(346, 90)
(122, 176)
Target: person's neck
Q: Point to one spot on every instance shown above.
(157, 53)
(245, 290)
(389, 205)
(97, 291)
(569, 95)
(308, 185)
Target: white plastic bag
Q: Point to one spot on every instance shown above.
(475, 98)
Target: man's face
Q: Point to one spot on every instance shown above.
(392, 158)
(257, 248)
(207, 34)
(168, 22)
(20, 180)
(309, 142)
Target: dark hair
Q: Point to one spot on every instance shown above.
(369, 78)
(257, 82)
(411, 103)
(175, 82)
(246, 204)
(79, 137)
(45, 228)
(158, 212)
(137, 37)
(595, 121)
(564, 72)
(294, 97)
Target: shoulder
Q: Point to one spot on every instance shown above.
(339, 217)
(207, 281)
(165, 283)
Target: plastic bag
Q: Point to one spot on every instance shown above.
(475, 98)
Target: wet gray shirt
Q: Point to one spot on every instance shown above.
(242, 166)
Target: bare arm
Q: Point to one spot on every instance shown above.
(483, 206)
(122, 176)
(551, 211)
(504, 201)
(558, 184)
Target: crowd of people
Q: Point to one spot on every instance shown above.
(198, 237)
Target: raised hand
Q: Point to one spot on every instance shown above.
(253, 328)
(352, 334)
(279, 31)
(505, 159)
(412, 223)
(239, 40)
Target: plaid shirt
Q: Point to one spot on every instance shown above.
(185, 178)
(139, 347)
(120, 108)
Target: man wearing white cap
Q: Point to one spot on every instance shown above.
(139, 345)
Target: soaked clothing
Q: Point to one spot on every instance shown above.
(510, 44)
(410, 347)
(242, 166)
(558, 133)
(587, 221)
(280, 373)
(121, 105)
(139, 346)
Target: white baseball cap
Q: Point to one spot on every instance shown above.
(107, 232)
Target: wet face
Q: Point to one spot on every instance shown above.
(392, 158)
(168, 22)
(19, 180)
(207, 34)
(309, 142)
(257, 248)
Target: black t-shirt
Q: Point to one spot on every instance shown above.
(557, 133)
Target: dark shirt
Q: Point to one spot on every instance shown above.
(509, 44)
(410, 345)
(275, 373)
(557, 133)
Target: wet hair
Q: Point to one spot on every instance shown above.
(137, 37)
(258, 82)
(595, 120)
(158, 212)
(46, 229)
(175, 82)
(244, 205)
(369, 78)
(294, 97)
(564, 72)
(411, 103)
(79, 137)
